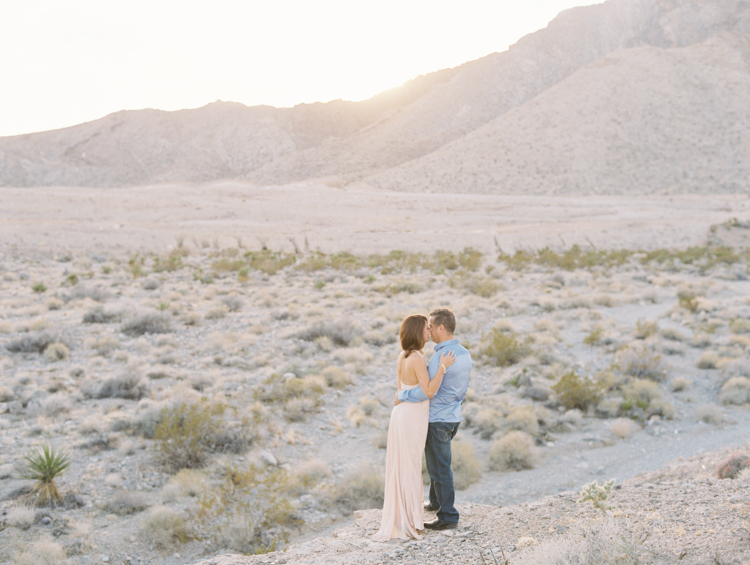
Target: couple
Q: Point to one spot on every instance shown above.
(426, 417)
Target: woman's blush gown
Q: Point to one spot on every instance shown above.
(403, 505)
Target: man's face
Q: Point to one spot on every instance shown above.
(431, 327)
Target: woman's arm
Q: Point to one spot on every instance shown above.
(430, 387)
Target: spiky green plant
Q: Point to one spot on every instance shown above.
(44, 467)
(597, 494)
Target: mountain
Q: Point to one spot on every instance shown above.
(620, 97)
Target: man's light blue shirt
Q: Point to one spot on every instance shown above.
(445, 406)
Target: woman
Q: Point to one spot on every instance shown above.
(403, 507)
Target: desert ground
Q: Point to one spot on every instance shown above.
(217, 361)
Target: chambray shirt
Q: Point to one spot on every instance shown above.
(445, 406)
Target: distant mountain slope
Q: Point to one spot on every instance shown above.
(639, 120)
(628, 95)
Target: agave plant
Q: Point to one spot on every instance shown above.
(44, 467)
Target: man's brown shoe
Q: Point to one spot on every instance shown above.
(440, 525)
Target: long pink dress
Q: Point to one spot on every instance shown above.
(403, 506)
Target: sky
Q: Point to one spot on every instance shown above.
(64, 63)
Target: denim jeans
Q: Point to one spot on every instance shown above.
(437, 453)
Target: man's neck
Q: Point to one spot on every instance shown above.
(447, 338)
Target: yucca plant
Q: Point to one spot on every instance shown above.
(44, 467)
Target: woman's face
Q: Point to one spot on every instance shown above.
(426, 333)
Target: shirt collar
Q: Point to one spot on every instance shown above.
(446, 343)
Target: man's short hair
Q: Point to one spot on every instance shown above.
(444, 317)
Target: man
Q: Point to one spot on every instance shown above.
(445, 417)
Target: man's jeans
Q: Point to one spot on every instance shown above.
(437, 453)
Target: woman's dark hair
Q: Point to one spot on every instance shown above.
(411, 333)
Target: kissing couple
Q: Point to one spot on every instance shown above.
(426, 417)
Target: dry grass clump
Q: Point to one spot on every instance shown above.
(105, 345)
(125, 502)
(21, 517)
(311, 472)
(641, 363)
(165, 528)
(645, 395)
(148, 323)
(735, 391)
(56, 352)
(709, 413)
(708, 360)
(360, 489)
(41, 552)
(33, 342)
(645, 328)
(523, 419)
(340, 332)
(513, 452)
(98, 315)
(465, 465)
(681, 384)
(54, 303)
(336, 377)
(739, 326)
(128, 385)
(216, 313)
(189, 482)
(624, 427)
(673, 334)
(733, 465)
(595, 543)
(700, 340)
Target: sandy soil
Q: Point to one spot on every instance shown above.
(359, 220)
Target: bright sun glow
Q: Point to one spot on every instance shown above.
(68, 62)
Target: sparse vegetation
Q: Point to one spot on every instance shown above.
(574, 391)
(504, 348)
(513, 452)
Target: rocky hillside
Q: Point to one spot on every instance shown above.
(671, 516)
(621, 97)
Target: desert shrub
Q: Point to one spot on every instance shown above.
(578, 392)
(171, 262)
(189, 482)
(300, 409)
(681, 384)
(708, 360)
(673, 334)
(340, 332)
(282, 388)
(646, 396)
(246, 507)
(39, 287)
(311, 472)
(505, 348)
(624, 427)
(735, 391)
(106, 345)
(709, 413)
(700, 340)
(149, 323)
(360, 489)
(127, 502)
(128, 385)
(641, 363)
(186, 433)
(513, 452)
(645, 328)
(33, 342)
(216, 313)
(486, 422)
(98, 315)
(149, 284)
(233, 303)
(96, 293)
(523, 419)
(56, 352)
(21, 517)
(396, 287)
(465, 465)
(164, 528)
(731, 467)
(54, 303)
(739, 326)
(6, 394)
(41, 552)
(269, 262)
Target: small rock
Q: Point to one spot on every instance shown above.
(105, 558)
(268, 459)
(46, 521)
